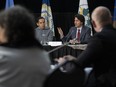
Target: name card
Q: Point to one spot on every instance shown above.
(54, 43)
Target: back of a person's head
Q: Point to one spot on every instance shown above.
(19, 25)
(102, 15)
(80, 17)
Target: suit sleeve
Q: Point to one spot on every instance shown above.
(68, 36)
(87, 36)
(91, 53)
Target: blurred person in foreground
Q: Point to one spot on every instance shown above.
(101, 50)
(79, 33)
(23, 62)
(43, 34)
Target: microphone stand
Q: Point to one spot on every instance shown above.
(65, 44)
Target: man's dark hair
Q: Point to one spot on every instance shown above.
(19, 27)
(81, 18)
(40, 17)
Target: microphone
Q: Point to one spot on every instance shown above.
(65, 44)
(68, 36)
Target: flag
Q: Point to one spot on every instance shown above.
(9, 3)
(84, 10)
(114, 17)
(47, 14)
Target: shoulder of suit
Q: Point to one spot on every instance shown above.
(73, 28)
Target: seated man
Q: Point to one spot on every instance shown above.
(43, 33)
(79, 33)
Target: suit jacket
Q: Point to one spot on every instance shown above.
(23, 67)
(101, 53)
(84, 36)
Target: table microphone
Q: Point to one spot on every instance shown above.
(65, 44)
(69, 36)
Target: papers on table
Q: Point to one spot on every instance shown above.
(54, 43)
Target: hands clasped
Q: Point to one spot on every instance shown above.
(63, 59)
(74, 41)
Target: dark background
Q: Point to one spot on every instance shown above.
(62, 10)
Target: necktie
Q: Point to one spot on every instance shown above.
(78, 35)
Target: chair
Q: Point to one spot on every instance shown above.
(73, 78)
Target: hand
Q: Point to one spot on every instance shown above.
(74, 41)
(60, 31)
(69, 58)
(60, 60)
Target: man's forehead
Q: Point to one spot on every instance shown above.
(41, 20)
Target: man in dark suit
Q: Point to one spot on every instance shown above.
(79, 33)
(101, 49)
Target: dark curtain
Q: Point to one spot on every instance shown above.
(63, 20)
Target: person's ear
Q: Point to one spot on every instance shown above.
(93, 23)
(37, 24)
